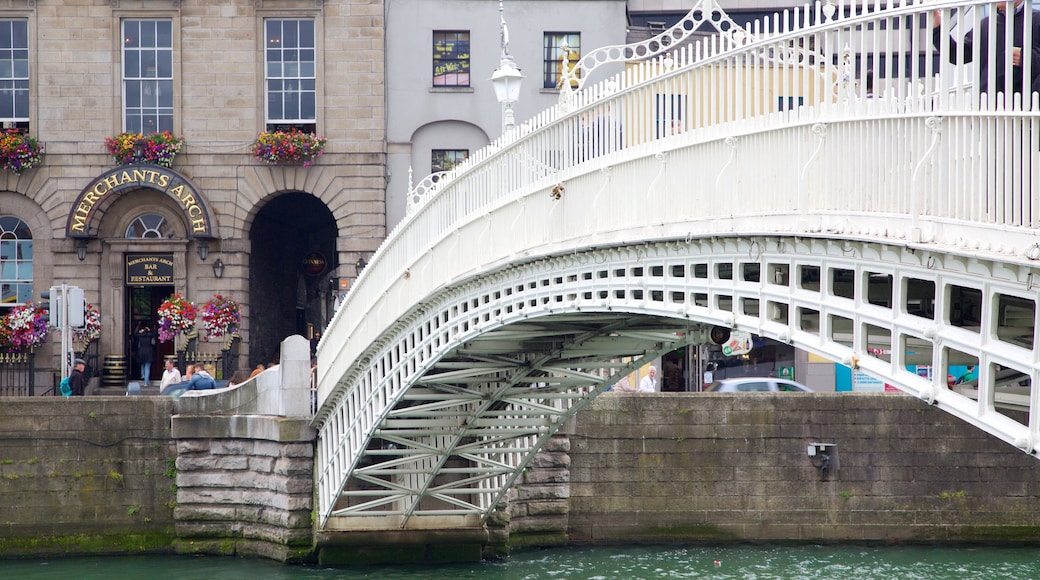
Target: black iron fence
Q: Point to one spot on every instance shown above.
(221, 364)
(17, 374)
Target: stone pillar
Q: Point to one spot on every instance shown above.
(539, 504)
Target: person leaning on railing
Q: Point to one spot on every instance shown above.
(968, 44)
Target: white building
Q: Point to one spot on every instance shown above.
(440, 57)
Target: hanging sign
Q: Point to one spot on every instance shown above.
(314, 264)
(149, 269)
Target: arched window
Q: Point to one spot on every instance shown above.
(149, 225)
(16, 263)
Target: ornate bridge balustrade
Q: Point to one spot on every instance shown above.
(751, 180)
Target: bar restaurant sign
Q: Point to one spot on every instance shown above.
(149, 269)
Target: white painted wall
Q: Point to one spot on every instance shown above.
(421, 117)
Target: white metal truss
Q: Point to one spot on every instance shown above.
(888, 229)
(446, 414)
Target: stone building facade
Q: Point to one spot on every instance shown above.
(282, 240)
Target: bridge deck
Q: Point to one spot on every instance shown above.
(830, 179)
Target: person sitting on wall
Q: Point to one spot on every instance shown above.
(199, 379)
(259, 369)
(239, 377)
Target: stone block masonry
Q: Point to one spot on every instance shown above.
(86, 475)
(735, 467)
(122, 475)
(247, 497)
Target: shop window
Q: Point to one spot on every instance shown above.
(16, 263)
(149, 225)
(289, 74)
(450, 58)
(14, 74)
(148, 75)
(555, 46)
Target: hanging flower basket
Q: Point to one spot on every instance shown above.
(157, 148)
(221, 316)
(287, 147)
(19, 152)
(91, 330)
(176, 315)
(26, 327)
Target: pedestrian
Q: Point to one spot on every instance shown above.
(76, 379)
(171, 375)
(259, 369)
(649, 382)
(972, 47)
(144, 339)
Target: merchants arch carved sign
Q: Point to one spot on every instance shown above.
(86, 206)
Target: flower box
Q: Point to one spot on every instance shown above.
(287, 147)
(19, 152)
(157, 148)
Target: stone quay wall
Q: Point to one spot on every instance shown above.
(100, 475)
(722, 467)
(86, 475)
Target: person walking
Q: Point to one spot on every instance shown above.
(76, 379)
(145, 342)
(975, 45)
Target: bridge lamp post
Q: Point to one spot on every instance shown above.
(506, 79)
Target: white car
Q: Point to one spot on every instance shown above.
(757, 385)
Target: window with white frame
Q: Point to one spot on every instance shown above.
(556, 46)
(16, 263)
(451, 58)
(14, 74)
(147, 75)
(149, 225)
(290, 71)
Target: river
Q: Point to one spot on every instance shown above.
(594, 563)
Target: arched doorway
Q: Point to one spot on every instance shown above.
(288, 286)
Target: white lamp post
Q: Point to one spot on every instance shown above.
(506, 79)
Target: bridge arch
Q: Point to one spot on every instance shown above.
(423, 407)
(879, 228)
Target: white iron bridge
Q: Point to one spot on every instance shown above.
(835, 177)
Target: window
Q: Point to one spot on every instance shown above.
(16, 263)
(447, 159)
(556, 45)
(14, 74)
(668, 115)
(149, 225)
(450, 58)
(290, 75)
(148, 75)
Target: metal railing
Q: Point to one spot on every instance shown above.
(17, 374)
(845, 110)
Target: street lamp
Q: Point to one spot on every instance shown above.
(507, 78)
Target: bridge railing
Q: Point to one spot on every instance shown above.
(855, 109)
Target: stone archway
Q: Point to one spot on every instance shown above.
(288, 288)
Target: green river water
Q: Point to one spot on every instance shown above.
(598, 563)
